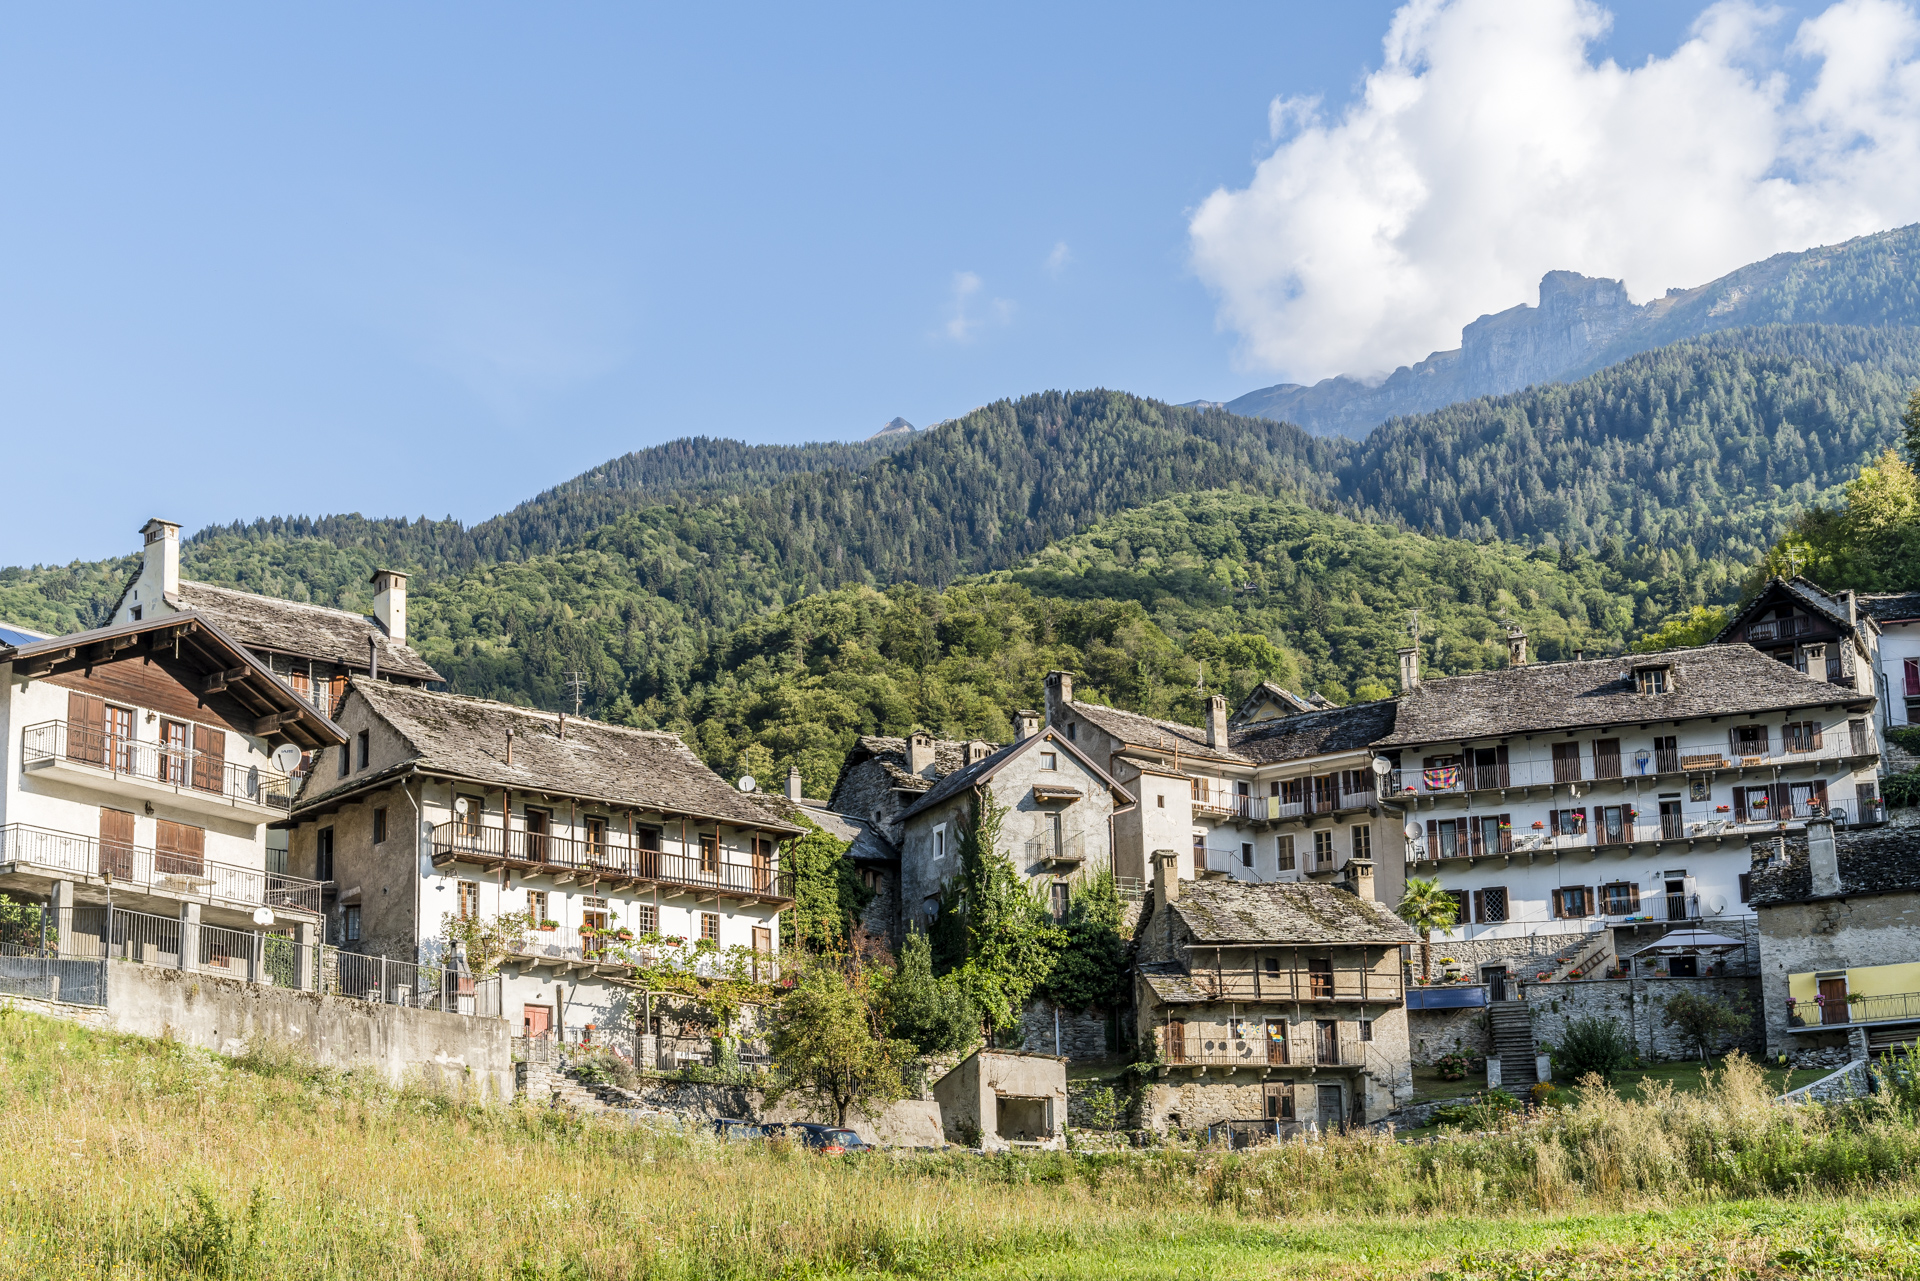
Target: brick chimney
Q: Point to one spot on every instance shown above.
(1409, 668)
(793, 783)
(1516, 648)
(1166, 878)
(159, 580)
(1026, 723)
(1217, 722)
(919, 753)
(1059, 694)
(390, 603)
(1823, 859)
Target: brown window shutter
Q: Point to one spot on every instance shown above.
(1480, 905)
(86, 729)
(209, 759)
(1433, 838)
(1813, 727)
(1558, 904)
(1820, 791)
(1506, 832)
(1593, 900)
(1500, 759)
(179, 850)
(1739, 804)
(1633, 898)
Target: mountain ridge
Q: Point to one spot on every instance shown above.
(1582, 324)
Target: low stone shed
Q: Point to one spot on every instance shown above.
(1005, 1098)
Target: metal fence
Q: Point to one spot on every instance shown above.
(183, 876)
(65, 953)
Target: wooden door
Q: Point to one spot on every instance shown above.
(1566, 762)
(209, 759)
(762, 865)
(536, 1021)
(709, 851)
(1276, 1041)
(174, 750)
(1320, 980)
(1833, 1003)
(1327, 1036)
(538, 821)
(1176, 1041)
(86, 729)
(116, 844)
(762, 949)
(179, 850)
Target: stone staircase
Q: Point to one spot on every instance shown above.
(1512, 1029)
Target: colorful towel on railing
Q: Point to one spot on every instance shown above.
(1440, 778)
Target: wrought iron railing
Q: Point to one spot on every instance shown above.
(539, 850)
(182, 769)
(1888, 1007)
(1836, 745)
(176, 875)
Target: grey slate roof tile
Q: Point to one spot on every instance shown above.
(1711, 680)
(290, 627)
(642, 769)
(1875, 860)
(1888, 607)
(1339, 729)
(1229, 911)
(1152, 733)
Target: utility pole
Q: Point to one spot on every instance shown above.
(577, 682)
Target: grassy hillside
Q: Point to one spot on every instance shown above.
(138, 1159)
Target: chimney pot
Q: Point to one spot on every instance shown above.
(390, 602)
(1823, 858)
(160, 562)
(1516, 648)
(793, 783)
(1166, 878)
(1360, 877)
(509, 744)
(1026, 725)
(1409, 668)
(1217, 721)
(373, 659)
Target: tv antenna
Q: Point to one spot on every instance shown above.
(577, 682)
(1793, 561)
(1413, 625)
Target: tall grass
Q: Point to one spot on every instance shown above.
(134, 1158)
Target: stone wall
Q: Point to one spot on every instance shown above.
(1635, 1003)
(1836, 934)
(404, 1045)
(1434, 1033)
(1523, 955)
(1083, 1033)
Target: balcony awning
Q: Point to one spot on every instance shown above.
(1044, 792)
(1679, 942)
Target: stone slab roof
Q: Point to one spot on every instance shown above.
(1890, 607)
(1877, 860)
(1712, 680)
(1155, 735)
(1338, 729)
(982, 770)
(466, 738)
(1803, 592)
(864, 844)
(1173, 985)
(309, 631)
(1229, 911)
(890, 755)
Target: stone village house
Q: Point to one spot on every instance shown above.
(444, 806)
(1839, 941)
(1276, 1005)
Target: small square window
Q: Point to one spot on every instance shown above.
(1049, 760)
(1366, 1029)
(380, 825)
(1160, 802)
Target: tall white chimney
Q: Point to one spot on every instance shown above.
(159, 567)
(1026, 723)
(793, 783)
(1409, 668)
(390, 603)
(920, 756)
(1823, 859)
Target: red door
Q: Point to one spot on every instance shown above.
(536, 1021)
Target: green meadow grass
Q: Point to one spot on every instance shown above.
(132, 1158)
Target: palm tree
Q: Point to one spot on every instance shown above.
(1427, 907)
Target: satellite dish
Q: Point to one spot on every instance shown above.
(460, 805)
(1413, 831)
(1382, 766)
(747, 784)
(263, 916)
(286, 758)
(1718, 904)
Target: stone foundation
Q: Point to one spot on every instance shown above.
(1434, 1033)
(1083, 1033)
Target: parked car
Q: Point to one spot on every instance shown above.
(828, 1139)
(737, 1131)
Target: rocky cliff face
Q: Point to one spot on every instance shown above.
(1583, 323)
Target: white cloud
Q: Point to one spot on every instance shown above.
(1491, 147)
(967, 313)
(1057, 260)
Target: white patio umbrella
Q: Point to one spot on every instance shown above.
(1682, 941)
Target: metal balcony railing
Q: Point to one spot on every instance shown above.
(182, 769)
(1836, 746)
(1273, 809)
(1201, 1051)
(1259, 983)
(1068, 848)
(539, 851)
(182, 876)
(1889, 1007)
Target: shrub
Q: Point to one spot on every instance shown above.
(1592, 1045)
(1454, 1066)
(1484, 1113)
(1704, 1019)
(1902, 789)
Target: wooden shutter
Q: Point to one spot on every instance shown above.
(179, 850)
(86, 729)
(1176, 1041)
(1745, 880)
(1557, 904)
(1819, 793)
(1633, 898)
(209, 759)
(1813, 729)
(1506, 833)
(116, 843)
(1739, 804)
(1480, 905)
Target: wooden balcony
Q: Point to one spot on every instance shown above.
(609, 862)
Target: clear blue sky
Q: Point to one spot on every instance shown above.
(407, 259)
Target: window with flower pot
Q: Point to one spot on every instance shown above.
(1571, 822)
(710, 927)
(537, 908)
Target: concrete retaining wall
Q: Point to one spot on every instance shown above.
(451, 1051)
